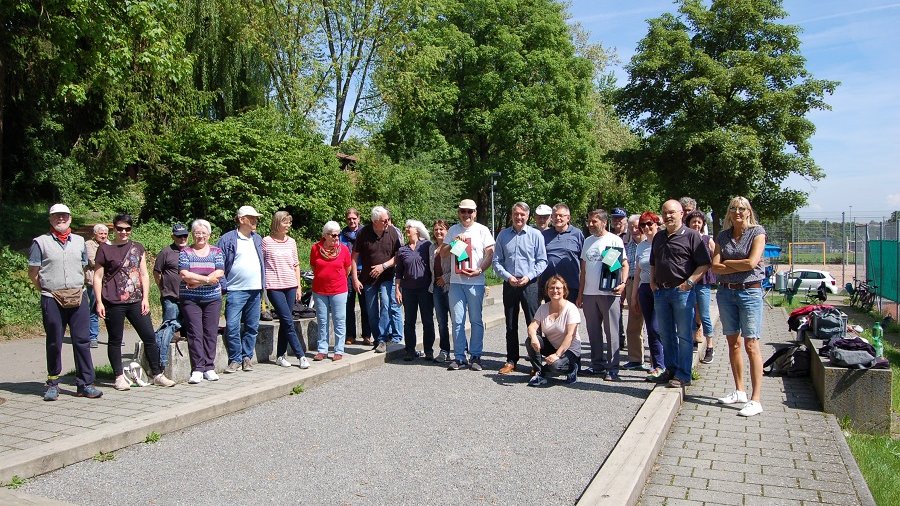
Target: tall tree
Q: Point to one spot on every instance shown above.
(722, 93)
(491, 86)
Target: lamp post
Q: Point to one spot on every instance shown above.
(494, 176)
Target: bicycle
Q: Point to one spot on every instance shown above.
(856, 292)
(867, 298)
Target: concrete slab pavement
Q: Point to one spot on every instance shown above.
(792, 453)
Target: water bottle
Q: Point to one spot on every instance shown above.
(877, 335)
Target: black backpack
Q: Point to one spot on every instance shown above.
(791, 361)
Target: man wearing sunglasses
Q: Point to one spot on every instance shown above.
(244, 280)
(472, 247)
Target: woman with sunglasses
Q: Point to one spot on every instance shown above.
(737, 262)
(283, 285)
(122, 290)
(330, 263)
(643, 296)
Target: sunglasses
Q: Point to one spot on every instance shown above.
(738, 209)
(123, 229)
(466, 211)
(335, 235)
(647, 224)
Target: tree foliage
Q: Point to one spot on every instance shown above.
(721, 94)
(210, 168)
(489, 86)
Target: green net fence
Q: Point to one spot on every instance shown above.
(882, 264)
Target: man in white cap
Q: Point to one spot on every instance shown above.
(56, 265)
(472, 247)
(542, 217)
(244, 280)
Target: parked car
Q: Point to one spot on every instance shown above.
(810, 279)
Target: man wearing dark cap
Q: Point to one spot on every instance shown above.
(168, 279)
(619, 226)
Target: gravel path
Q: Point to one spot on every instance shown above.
(398, 434)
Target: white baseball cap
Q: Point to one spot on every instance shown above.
(543, 210)
(247, 211)
(59, 208)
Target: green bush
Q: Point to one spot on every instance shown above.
(18, 298)
(209, 169)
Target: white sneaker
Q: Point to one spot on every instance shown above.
(122, 383)
(282, 361)
(734, 397)
(751, 408)
(196, 377)
(304, 363)
(161, 380)
(211, 375)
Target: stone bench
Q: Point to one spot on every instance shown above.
(178, 368)
(862, 395)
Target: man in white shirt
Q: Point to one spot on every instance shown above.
(472, 247)
(244, 280)
(604, 271)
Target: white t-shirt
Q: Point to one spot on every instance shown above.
(594, 273)
(555, 330)
(246, 273)
(479, 239)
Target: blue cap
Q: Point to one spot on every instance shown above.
(618, 212)
(179, 229)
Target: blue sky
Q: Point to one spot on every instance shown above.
(857, 143)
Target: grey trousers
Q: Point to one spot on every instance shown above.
(603, 316)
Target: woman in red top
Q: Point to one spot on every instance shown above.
(330, 262)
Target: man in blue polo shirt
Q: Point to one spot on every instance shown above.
(563, 244)
(519, 259)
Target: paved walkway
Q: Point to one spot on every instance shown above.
(792, 453)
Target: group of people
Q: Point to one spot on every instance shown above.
(435, 275)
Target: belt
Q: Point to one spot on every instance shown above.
(742, 286)
(670, 285)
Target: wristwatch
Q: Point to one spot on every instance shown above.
(689, 282)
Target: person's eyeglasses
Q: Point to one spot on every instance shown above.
(334, 235)
(201, 234)
(738, 209)
(466, 211)
(648, 224)
(123, 229)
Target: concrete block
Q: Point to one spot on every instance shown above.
(862, 395)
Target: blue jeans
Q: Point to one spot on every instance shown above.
(442, 313)
(242, 323)
(703, 294)
(467, 298)
(396, 314)
(171, 323)
(378, 301)
(422, 301)
(675, 317)
(741, 311)
(283, 304)
(336, 307)
(654, 341)
(94, 323)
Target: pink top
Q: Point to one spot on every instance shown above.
(280, 260)
(330, 275)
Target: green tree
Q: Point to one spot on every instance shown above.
(489, 86)
(721, 94)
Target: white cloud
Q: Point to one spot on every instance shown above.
(893, 199)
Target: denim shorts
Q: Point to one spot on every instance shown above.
(740, 311)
